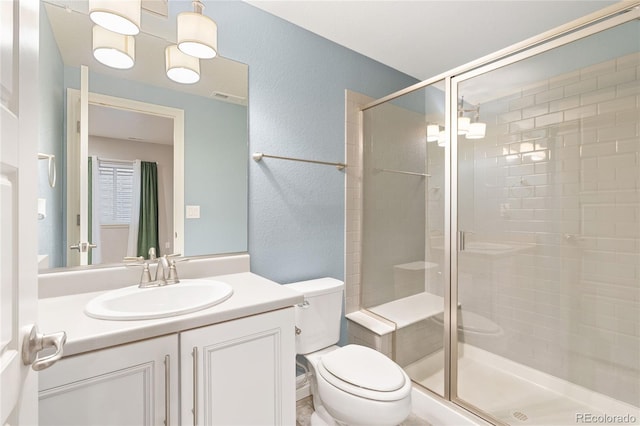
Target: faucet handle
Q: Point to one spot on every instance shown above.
(173, 272)
(145, 278)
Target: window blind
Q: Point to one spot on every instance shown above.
(116, 191)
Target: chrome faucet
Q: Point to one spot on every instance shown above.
(163, 264)
(169, 274)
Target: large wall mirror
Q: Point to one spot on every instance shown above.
(195, 137)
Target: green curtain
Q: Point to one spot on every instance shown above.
(148, 228)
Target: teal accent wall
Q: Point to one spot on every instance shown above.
(215, 142)
(297, 83)
(51, 122)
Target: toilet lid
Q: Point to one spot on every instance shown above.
(363, 368)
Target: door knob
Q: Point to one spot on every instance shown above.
(37, 342)
(83, 247)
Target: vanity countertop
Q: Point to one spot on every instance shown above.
(252, 294)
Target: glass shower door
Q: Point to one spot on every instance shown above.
(548, 222)
(403, 228)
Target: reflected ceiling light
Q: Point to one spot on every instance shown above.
(463, 122)
(112, 49)
(442, 138)
(119, 16)
(197, 33)
(463, 125)
(475, 130)
(181, 68)
(433, 131)
(535, 156)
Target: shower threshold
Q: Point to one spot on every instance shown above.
(516, 394)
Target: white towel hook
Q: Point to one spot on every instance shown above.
(52, 167)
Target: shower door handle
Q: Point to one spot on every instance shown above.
(462, 237)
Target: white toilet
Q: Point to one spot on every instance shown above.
(351, 385)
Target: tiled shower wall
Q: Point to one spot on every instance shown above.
(394, 203)
(560, 170)
(393, 220)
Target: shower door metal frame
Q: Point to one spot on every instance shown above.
(593, 23)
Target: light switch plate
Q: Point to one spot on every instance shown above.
(193, 212)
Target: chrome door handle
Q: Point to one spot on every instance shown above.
(83, 247)
(37, 342)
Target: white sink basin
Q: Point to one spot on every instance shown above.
(133, 303)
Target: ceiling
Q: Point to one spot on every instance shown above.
(132, 125)
(425, 38)
(419, 38)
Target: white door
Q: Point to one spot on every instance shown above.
(77, 172)
(18, 214)
(18, 176)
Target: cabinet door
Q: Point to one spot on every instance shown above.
(134, 384)
(242, 372)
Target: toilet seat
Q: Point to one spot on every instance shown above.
(350, 369)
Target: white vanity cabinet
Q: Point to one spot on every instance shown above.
(240, 372)
(132, 384)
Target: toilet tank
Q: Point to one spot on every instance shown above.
(318, 317)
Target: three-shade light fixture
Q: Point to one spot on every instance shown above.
(117, 21)
(466, 127)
